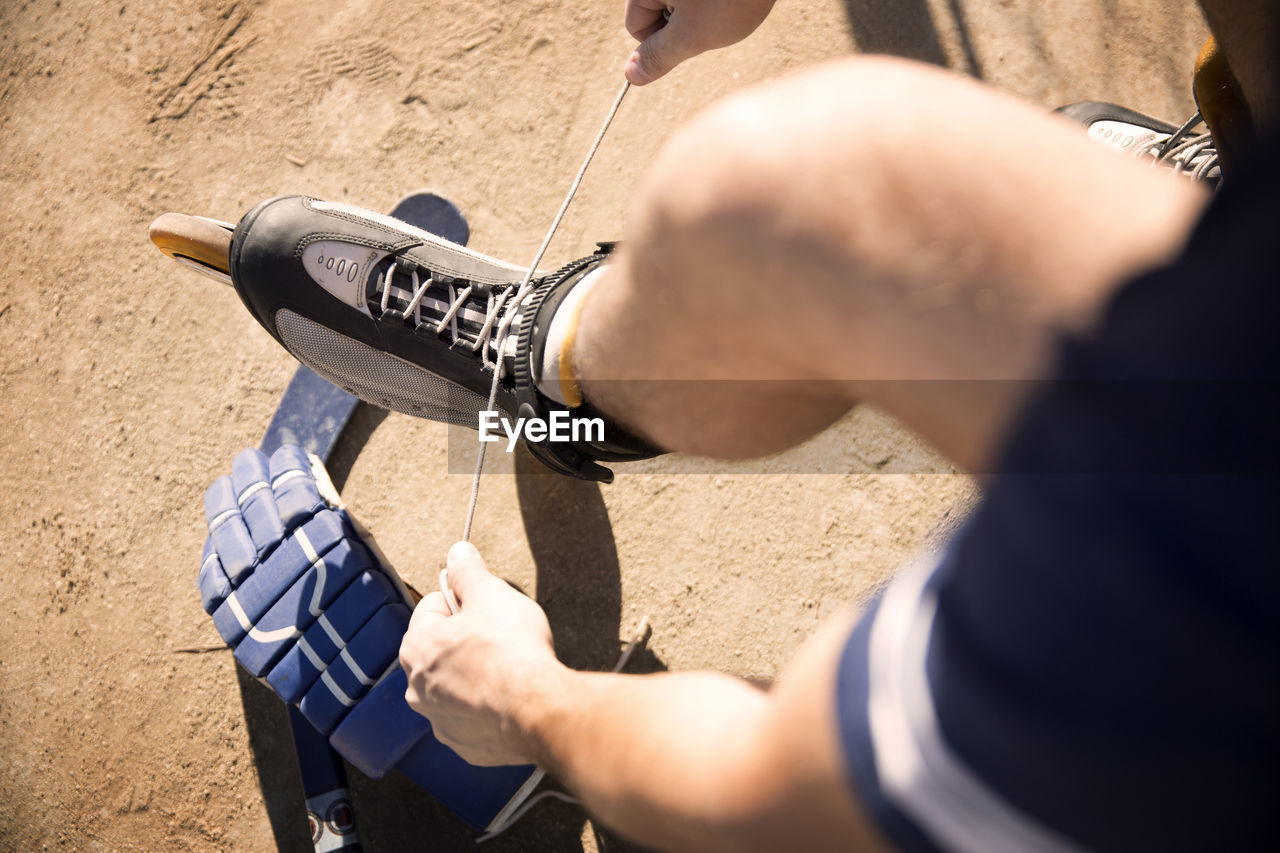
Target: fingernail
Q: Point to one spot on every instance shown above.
(460, 552)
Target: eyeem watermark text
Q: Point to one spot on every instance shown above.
(561, 426)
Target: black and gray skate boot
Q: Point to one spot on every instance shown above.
(406, 320)
(1187, 153)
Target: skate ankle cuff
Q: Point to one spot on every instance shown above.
(593, 436)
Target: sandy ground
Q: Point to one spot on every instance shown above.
(127, 384)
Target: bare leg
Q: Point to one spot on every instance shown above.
(840, 234)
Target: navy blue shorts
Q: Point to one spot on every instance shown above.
(1094, 662)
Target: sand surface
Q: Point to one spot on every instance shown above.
(127, 384)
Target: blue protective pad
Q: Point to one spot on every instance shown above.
(269, 581)
(227, 529)
(293, 613)
(297, 670)
(381, 728)
(212, 580)
(373, 649)
(297, 497)
(250, 477)
(475, 794)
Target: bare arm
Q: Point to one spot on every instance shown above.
(693, 761)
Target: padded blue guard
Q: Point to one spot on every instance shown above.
(296, 610)
(250, 477)
(306, 605)
(302, 665)
(475, 794)
(357, 666)
(227, 530)
(212, 581)
(382, 732)
(297, 497)
(255, 595)
(381, 729)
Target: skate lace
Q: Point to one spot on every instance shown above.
(502, 305)
(500, 308)
(1193, 155)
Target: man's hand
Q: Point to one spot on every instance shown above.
(471, 672)
(694, 26)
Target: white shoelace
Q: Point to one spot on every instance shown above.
(457, 299)
(1192, 155)
(515, 809)
(522, 293)
(456, 302)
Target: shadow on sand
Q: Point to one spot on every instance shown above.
(906, 28)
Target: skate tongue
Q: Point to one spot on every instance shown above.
(196, 242)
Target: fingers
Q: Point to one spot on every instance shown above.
(244, 522)
(429, 609)
(643, 17)
(467, 573)
(250, 475)
(227, 530)
(657, 54)
(212, 580)
(692, 27)
(250, 512)
(297, 497)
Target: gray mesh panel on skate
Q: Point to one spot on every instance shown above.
(377, 377)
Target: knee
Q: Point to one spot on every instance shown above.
(769, 166)
(715, 182)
